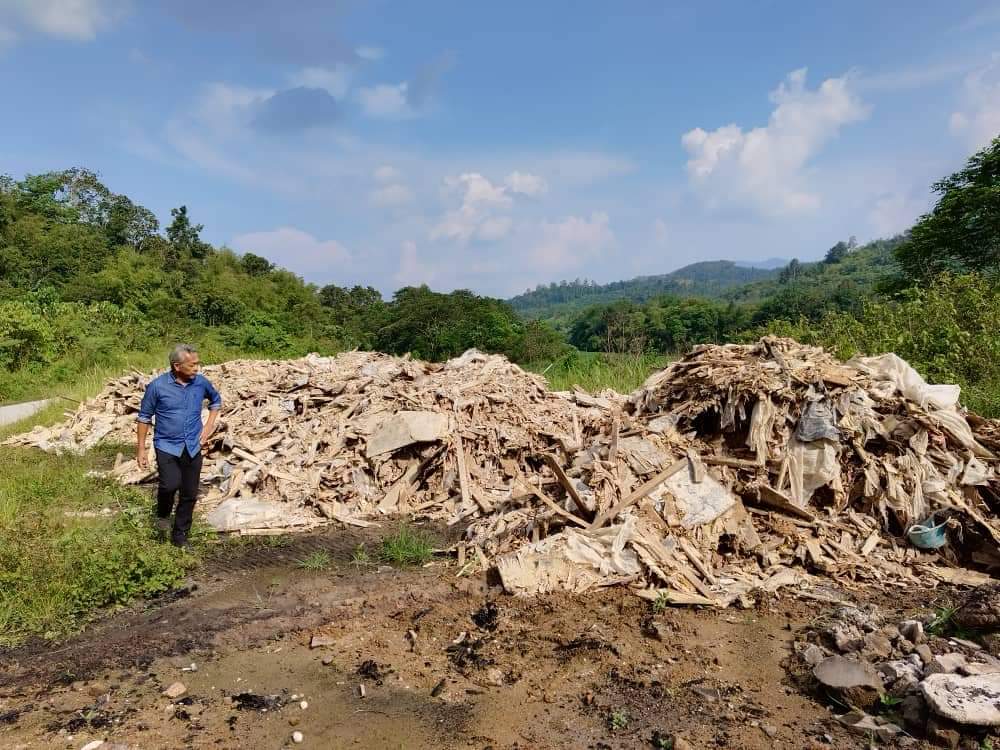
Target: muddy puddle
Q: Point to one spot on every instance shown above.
(384, 658)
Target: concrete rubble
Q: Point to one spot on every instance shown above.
(943, 689)
(736, 472)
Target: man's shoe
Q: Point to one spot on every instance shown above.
(163, 528)
(183, 544)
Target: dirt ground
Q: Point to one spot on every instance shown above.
(413, 659)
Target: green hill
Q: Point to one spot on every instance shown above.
(708, 279)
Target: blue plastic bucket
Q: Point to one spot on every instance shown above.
(928, 535)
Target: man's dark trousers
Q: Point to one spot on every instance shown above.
(178, 474)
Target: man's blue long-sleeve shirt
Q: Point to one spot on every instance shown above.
(177, 408)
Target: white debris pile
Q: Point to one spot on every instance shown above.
(736, 470)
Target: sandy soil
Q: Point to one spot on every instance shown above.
(444, 662)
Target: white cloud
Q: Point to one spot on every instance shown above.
(411, 271)
(391, 196)
(474, 219)
(573, 241)
(295, 250)
(977, 122)
(225, 107)
(526, 184)
(763, 167)
(386, 101)
(385, 173)
(494, 228)
(335, 81)
(78, 20)
(477, 189)
(370, 53)
(893, 213)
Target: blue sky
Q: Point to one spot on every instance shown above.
(495, 146)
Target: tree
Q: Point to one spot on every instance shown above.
(962, 231)
(185, 236)
(838, 252)
(256, 265)
(790, 272)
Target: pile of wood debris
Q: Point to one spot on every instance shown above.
(738, 469)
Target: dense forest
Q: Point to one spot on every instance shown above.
(710, 279)
(86, 274)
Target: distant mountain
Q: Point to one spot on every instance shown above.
(770, 264)
(709, 279)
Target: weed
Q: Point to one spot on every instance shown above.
(942, 623)
(318, 560)
(406, 547)
(277, 542)
(58, 565)
(662, 741)
(889, 701)
(360, 557)
(618, 719)
(986, 744)
(661, 602)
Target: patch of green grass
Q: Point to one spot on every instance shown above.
(406, 547)
(318, 560)
(593, 371)
(360, 556)
(618, 719)
(62, 556)
(942, 624)
(661, 602)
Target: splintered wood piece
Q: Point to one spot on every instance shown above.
(563, 479)
(640, 493)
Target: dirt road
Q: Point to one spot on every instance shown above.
(443, 662)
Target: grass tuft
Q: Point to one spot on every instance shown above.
(72, 543)
(318, 560)
(406, 547)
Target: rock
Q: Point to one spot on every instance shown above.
(991, 642)
(813, 655)
(964, 699)
(858, 682)
(297, 738)
(967, 644)
(942, 734)
(925, 654)
(981, 608)
(304, 705)
(682, 744)
(891, 632)
(846, 639)
(93, 745)
(405, 428)
(905, 646)
(495, 676)
(770, 730)
(913, 631)
(978, 668)
(328, 660)
(840, 672)
(318, 641)
(878, 645)
(175, 691)
(870, 726)
(899, 669)
(913, 709)
(949, 662)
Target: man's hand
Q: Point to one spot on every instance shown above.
(140, 446)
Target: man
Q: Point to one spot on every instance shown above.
(175, 398)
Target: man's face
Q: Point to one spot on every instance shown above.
(187, 368)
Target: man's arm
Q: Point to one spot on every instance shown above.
(145, 417)
(214, 407)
